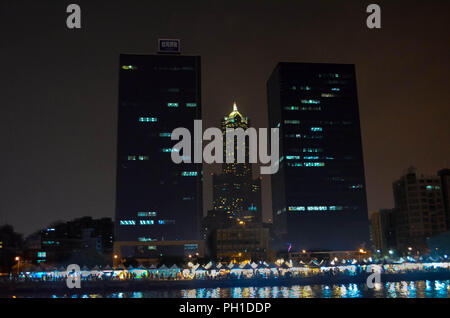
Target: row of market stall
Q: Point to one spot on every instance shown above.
(231, 270)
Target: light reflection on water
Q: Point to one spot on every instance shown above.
(417, 289)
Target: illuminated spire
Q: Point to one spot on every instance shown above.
(235, 113)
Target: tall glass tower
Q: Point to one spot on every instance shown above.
(158, 202)
(319, 192)
(235, 191)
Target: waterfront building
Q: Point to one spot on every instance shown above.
(419, 210)
(243, 242)
(158, 202)
(319, 193)
(62, 241)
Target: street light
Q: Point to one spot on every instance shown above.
(17, 259)
(115, 260)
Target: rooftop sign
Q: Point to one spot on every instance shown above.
(169, 45)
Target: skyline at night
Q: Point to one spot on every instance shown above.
(58, 120)
(211, 156)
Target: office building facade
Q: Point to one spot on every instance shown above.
(319, 193)
(158, 202)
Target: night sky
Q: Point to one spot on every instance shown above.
(58, 113)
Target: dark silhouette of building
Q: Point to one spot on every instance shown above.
(60, 241)
(319, 193)
(158, 202)
(243, 242)
(11, 244)
(382, 225)
(419, 210)
(445, 186)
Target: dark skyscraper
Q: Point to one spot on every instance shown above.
(158, 203)
(319, 193)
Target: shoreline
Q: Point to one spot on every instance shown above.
(9, 289)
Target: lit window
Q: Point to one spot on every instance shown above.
(292, 157)
(129, 67)
(296, 208)
(127, 222)
(316, 208)
(145, 239)
(292, 121)
(170, 150)
(172, 104)
(310, 101)
(316, 128)
(293, 135)
(146, 222)
(143, 157)
(314, 164)
(166, 221)
(189, 173)
(191, 104)
(291, 108)
(165, 134)
(312, 149)
(311, 157)
(146, 214)
(148, 119)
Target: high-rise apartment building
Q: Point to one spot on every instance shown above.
(419, 210)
